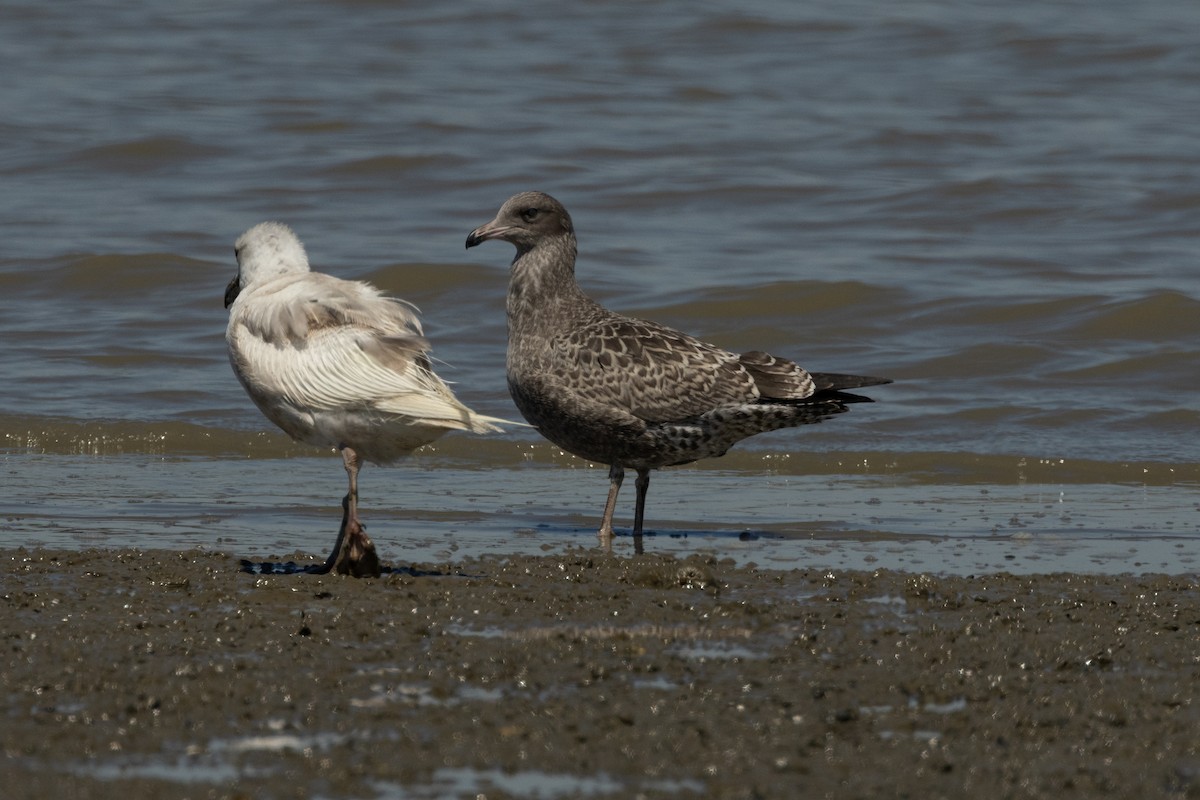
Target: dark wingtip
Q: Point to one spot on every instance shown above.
(844, 397)
(827, 381)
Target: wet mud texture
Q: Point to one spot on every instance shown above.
(158, 674)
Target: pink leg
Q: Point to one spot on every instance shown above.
(616, 474)
(354, 554)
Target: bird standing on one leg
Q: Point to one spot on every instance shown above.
(335, 363)
(627, 392)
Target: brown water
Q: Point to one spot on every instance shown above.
(995, 206)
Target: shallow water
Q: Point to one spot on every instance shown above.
(994, 206)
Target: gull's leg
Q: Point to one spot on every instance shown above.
(616, 474)
(337, 546)
(639, 512)
(355, 553)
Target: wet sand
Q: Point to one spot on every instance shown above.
(156, 674)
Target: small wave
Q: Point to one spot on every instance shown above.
(1164, 315)
(105, 276)
(393, 166)
(146, 155)
(50, 436)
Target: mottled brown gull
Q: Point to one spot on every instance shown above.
(627, 392)
(335, 363)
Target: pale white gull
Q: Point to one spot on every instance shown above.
(626, 392)
(335, 363)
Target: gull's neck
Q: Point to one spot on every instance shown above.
(543, 295)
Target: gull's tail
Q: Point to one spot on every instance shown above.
(481, 423)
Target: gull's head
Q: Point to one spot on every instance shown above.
(526, 220)
(266, 251)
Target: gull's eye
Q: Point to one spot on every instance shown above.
(530, 214)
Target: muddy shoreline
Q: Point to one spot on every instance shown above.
(131, 674)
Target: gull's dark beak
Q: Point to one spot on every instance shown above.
(491, 230)
(232, 290)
